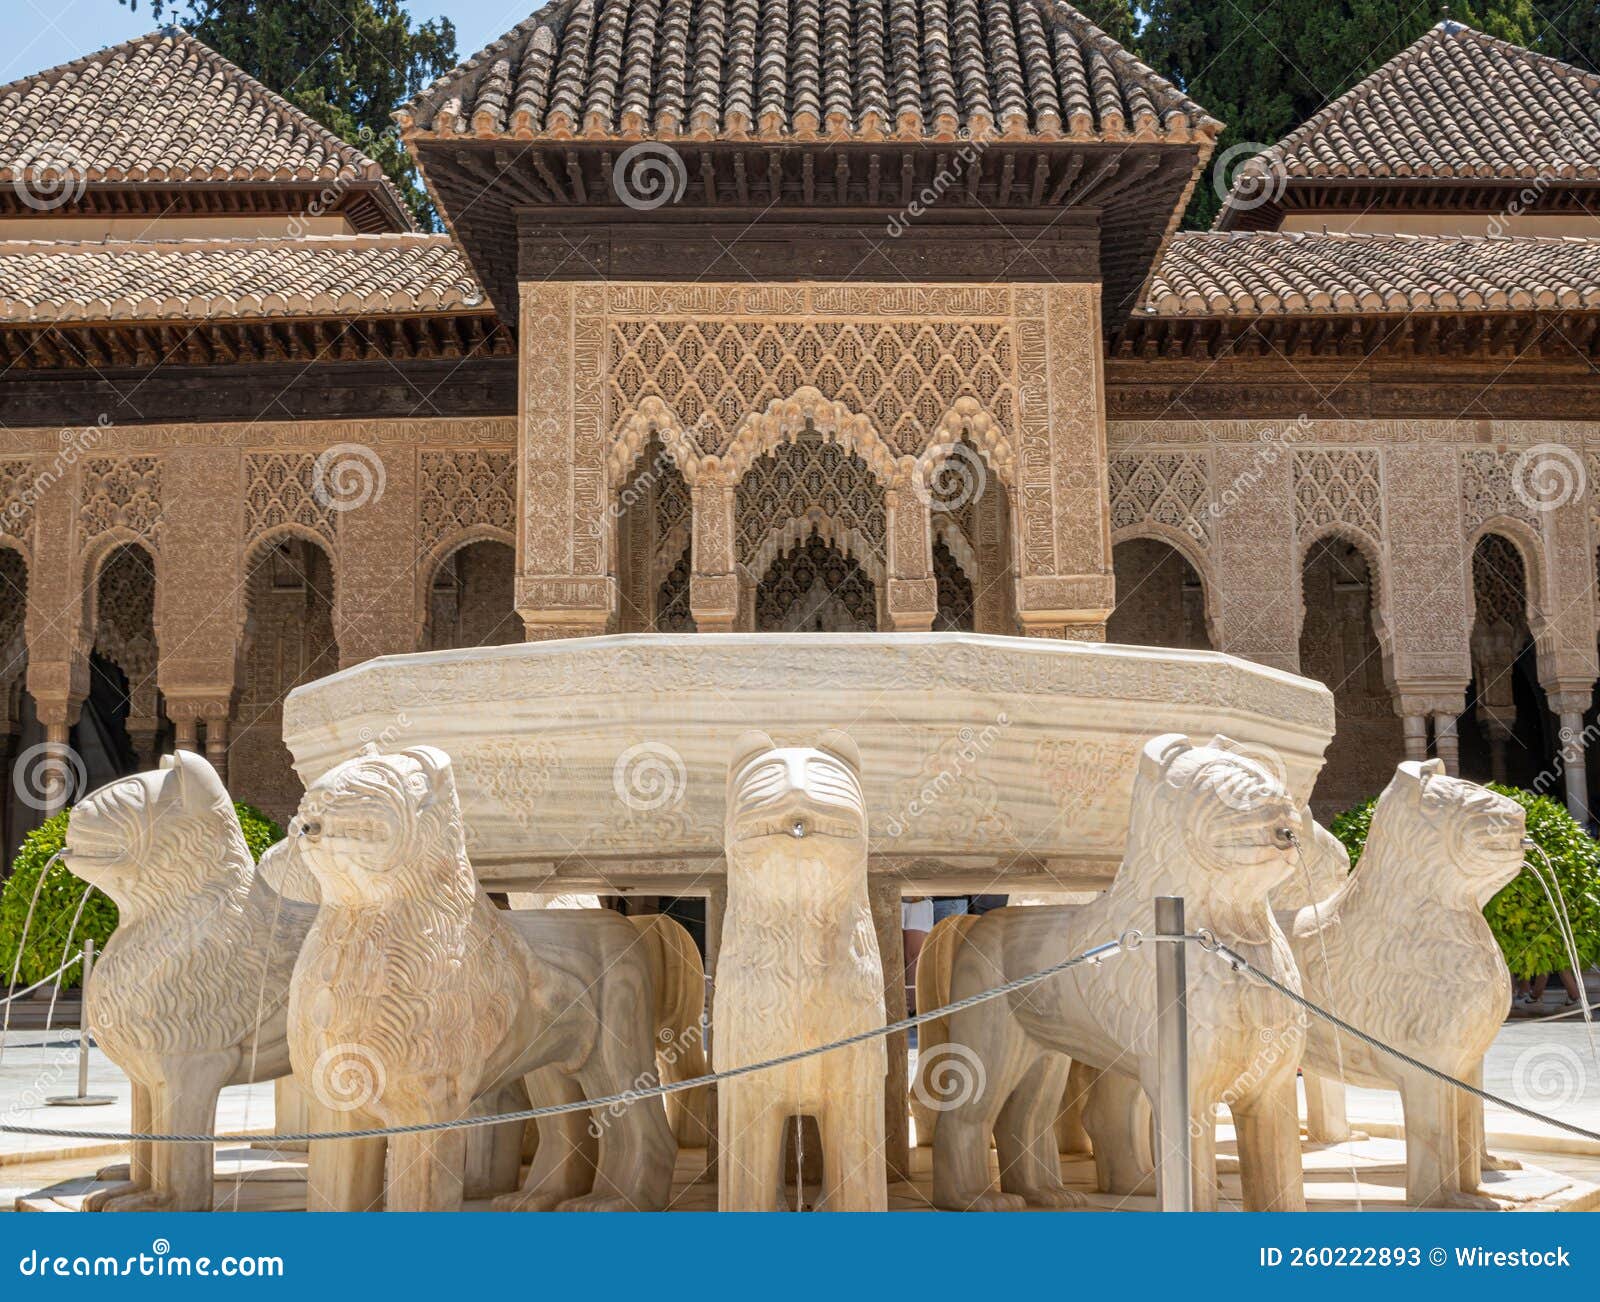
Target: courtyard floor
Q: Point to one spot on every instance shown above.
(1544, 1065)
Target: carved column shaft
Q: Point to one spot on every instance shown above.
(58, 652)
(1569, 706)
(1416, 735)
(199, 591)
(1065, 586)
(563, 588)
(913, 597)
(714, 580)
(374, 586)
(1446, 743)
(885, 896)
(1256, 553)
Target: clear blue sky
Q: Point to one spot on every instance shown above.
(43, 33)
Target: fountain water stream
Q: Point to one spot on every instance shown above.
(1558, 908)
(22, 944)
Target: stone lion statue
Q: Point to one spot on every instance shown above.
(414, 996)
(1411, 917)
(935, 1067)
(190, 993)
(799, 966)
(1210, 825)
(942, 1071)
(678, 978)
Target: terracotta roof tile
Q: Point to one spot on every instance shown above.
(165, 108)
(1457, 104)
(866, 69)
(195, 279)
(1210, 273)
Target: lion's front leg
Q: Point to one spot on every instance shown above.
(134, 1175)
(564, 1163)
(342, 1175)
(1267, 1125)
(426, 1169)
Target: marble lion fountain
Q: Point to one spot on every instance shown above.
(802, 783)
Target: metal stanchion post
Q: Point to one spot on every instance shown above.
(83, 1099)
(1174, 1172)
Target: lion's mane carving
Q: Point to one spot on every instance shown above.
(1210, 825)
(1411, 917)
(414, 996)
(799, 966)
(190, 993)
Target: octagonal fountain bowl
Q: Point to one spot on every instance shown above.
(591, 762)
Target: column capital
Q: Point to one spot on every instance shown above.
(1430, 696)
(1567, 696)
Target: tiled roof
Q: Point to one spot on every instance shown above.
(864, 69)
(197, 279)
(1455, 105)
(165, 108)
(1211, 273)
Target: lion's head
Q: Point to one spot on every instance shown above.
(383, 827)
(809, 794)
(1432, 834)
(1213, 810)
(160, 835)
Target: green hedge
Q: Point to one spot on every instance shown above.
(1520, 915)
(58, 901)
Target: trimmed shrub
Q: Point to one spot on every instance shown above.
(60, 896)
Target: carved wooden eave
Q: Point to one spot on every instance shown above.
(234, 341)
(1485, 335)
(370, 207)
(1546, 194)
(993, 209)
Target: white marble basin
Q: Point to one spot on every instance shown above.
(604, 759)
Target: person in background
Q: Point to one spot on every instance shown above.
(1569, 982)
